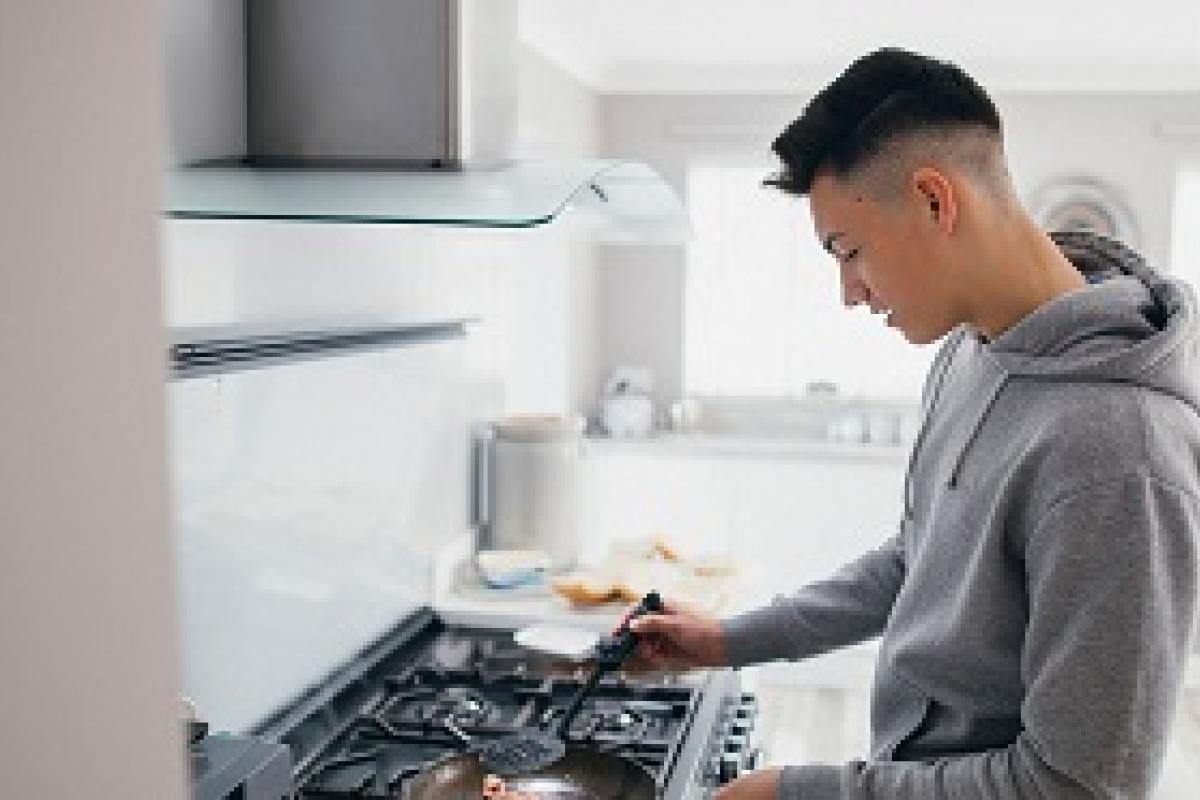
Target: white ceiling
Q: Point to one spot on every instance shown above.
(638, 46)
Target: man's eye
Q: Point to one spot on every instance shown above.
(849, 256)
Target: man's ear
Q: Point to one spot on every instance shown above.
(934, 192)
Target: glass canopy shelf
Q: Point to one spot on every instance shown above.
(513, 195)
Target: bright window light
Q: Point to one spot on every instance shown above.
(763, 312)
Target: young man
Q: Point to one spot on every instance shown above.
(1036, 605)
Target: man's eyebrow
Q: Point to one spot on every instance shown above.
(827, 243)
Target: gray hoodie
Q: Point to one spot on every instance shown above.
(1037, 603)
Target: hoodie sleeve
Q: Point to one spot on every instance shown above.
(849, 607)
(1111, 579)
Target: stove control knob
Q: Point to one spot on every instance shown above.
(713, 771)
(731, 767)
(735, 744)
(746, 710)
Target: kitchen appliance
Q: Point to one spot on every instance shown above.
(225, 767)
(526, 476)
(383, 112)
(374, 728)
(425, 83)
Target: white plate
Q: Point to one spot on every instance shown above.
(558, 640)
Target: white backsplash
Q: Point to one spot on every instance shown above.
(311, 498)
(785, 517)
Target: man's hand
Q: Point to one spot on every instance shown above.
(678, 638)
(762, 784)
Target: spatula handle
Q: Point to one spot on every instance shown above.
(613, 650)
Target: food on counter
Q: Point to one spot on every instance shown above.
(643, 548)
(664, 550)
(635, 566)
(586, 589)
(714, 566)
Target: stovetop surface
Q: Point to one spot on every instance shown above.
(487, 686)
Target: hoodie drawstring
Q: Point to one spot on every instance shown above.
(926, 417)
(987, 409)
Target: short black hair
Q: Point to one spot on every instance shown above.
(882, 95)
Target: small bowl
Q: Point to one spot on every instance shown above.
(507, 569)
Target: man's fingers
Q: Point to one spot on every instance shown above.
(626, 615)
(655, 623)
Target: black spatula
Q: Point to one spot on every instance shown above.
(529, 751)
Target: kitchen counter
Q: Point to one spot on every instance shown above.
(748, 446)
(461, 600)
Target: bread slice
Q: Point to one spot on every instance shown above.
(585, 588)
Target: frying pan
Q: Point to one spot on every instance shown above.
(583, 773)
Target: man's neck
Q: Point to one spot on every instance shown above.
(1024, 269)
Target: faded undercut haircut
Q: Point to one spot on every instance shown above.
(887, 111)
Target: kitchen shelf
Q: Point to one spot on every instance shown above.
(214, 350)
(512, 195)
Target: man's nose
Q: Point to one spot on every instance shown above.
(854, 292)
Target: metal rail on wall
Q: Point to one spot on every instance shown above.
(217, 350)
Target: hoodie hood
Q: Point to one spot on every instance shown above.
(1128, 325)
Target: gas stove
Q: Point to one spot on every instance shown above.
(368, 732)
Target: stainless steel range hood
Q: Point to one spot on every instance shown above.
(397, 111)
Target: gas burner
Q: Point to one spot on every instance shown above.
(618, 722)
(483, 685)
(619, 725)
(462, 706)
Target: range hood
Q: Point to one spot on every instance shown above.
(399, 112)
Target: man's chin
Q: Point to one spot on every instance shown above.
(921, 337)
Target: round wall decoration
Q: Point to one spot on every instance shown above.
(1080, 203)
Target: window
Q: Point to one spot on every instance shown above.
(1185, 225)
(763, 314)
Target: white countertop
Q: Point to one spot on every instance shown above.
(461, 603)
(459, 598)
(747, 446)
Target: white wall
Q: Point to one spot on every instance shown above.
(785, 519)
(559, 118)
(557, 115)
(88, 681)
(1112, 137)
